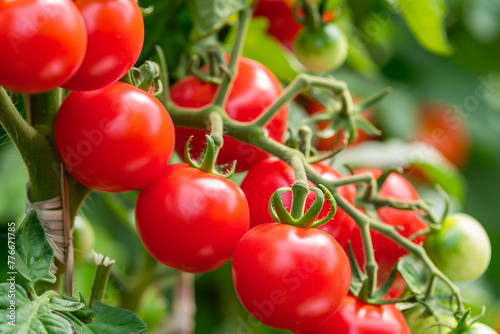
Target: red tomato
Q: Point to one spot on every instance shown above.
(288, 277)
(42, 44)
(253, 90)
(191, 220)
(387, 252)
(445, 129)
(114, 139)
(356, 317)
(328, 144)
(115, 34)
(267, 176)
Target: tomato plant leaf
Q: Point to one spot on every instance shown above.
(31, 317)
(34, 254)
(425, 18)
(112, 320)
(210, 15)
(446, 175)
(414, 278)
(58, 304)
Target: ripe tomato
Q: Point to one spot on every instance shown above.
(115, 34)
(356, 317)
(387, 252)
(43, 43)
(327, 144)
(114, 139)
(254, 89)
(288, 277)
(83, 239)
(323, 49)
(461, 249)
(445, 129)
(267, 176)
(191, 220)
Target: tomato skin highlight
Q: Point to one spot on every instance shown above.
(267, 176)
(43, 43)
(356, 317)
(461, 249)
(114, 139)
(254, 89)
(190, 220)
(288, 277)
(115, 34)
(387, 252)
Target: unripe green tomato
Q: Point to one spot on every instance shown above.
(83, 239)
(461, 249)
(420, 323)
(477, 328)
(321, 50)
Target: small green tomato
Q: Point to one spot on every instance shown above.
(461, 249)
(322, 49)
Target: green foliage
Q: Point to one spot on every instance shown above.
(426, 21)
(34, 255)
(49, 313)
(211, 15)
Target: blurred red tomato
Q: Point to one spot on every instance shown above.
(444, 128)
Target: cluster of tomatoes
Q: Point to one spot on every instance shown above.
(114, 137)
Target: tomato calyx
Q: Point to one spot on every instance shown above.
(145, 77)
(307, 220)
(206, 162)
(345, 118)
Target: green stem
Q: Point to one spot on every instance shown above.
(313, 17)
(35, 148)
(363, 222)
(162, 61)
(101, 278)
(419, 252)
(299, 84)
(222, 94)
(300, 188)
(217, 130)
(431, 287)
(305, 137)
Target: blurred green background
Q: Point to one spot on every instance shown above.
(420, 64)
